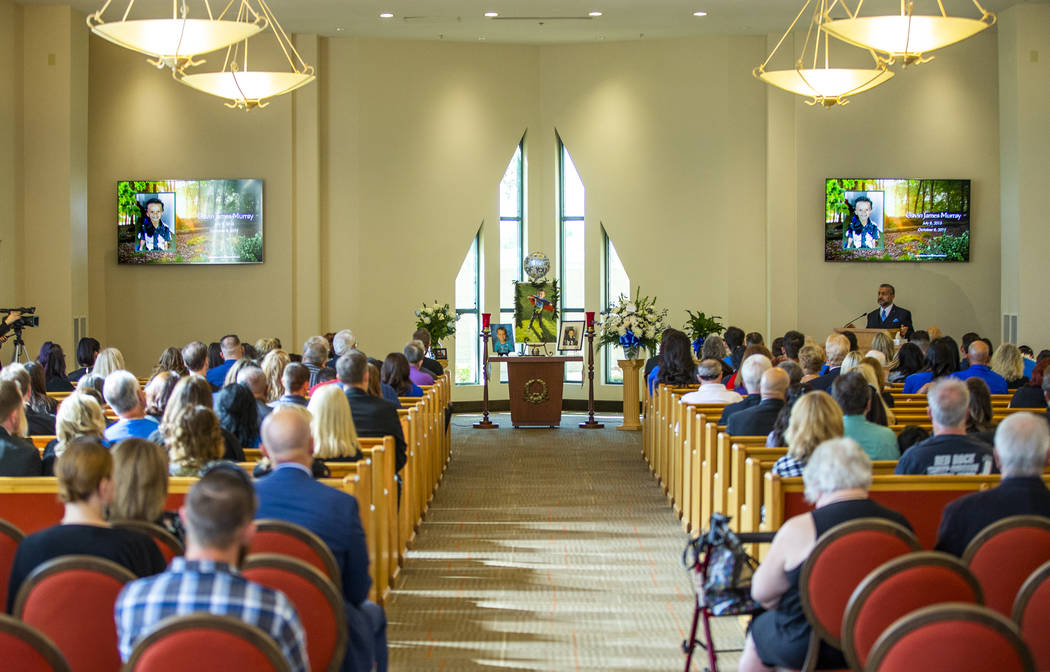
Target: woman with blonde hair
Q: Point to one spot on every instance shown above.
(815, 418)
(273, 366)
(883, 344)
(1008, 362)
(140, 485)
(811, 358)
(332, 425)
(263, 346)
(193, 391)
(108, 361)
(195, 440)
(880, 412)
(79, 415)
(851, 361)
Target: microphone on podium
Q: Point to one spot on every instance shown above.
(849, 323)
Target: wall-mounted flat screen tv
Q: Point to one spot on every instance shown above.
(896, 220)
(190, 222)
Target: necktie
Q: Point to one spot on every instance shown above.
(883, 314)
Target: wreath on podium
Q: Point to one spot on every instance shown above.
(537, 397)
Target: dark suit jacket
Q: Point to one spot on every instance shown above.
(732, 409)
(18, 457)
(292, 495)
(377, 417)
(40, 424)
(432, 367)
(824, 382)
(968, 515)
(897, 318)
(757, 420)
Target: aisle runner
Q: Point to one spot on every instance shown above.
(545, 550)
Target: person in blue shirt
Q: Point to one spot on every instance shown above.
(232, 350)
(125, 396)
(978, 356)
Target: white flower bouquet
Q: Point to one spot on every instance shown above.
(633, 323)
(438, 319)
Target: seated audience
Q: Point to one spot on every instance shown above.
(777, 350)
(715, 348)
(218, 518)
(214, 355)
(395, 373)
(978, 358)
(127, 399)
(736, 380)
(325, 376)
(414, 352)
(79, 415)
(751, 371)
(332, 426)
(376, 387)
(884, 344)
(1031, 394)
(1008, 362)
(429, 365)
(1021, 442)
(38, 424)
(264, 346)
(342, 342)
(273, 366)
(879, 370)
(835, 348)
(880, 412)
(39, 402)
(230, 350)
(158, 392)
(235, 370)
(315, 353)
(193, 391)
(108, 361)
(140, 485)
(85, 487)
(334, 517)
(170, 360)
(55, 370)
(92, 385)
(979, 421)
(758, 420)
(712, 391)
(238, 415)
(654, 361)
(18, 456)
(87, 350)
(940, 362)
(195, 357)
(372, 416)
(254, 379)
(909, 360)
(855, 396)
(922, 339)
(815, 418)
(296, 382)
(794, 372)
(811, 359)
(950, 451)
(794, 341)
(733, 347)
(193, 441)
(836, 478)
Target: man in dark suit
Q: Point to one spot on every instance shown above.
(835, 348)
(18, 457)
(887, 315)
(1021, 443)
(751, 370)
(373, 416)
(290, 493)
(758, 420)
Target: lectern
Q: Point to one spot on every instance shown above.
(865, 336)
(535, 388)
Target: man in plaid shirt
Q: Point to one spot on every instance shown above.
(218, 518)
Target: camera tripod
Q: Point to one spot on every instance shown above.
(20, 348)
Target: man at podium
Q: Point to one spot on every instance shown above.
(888, 315)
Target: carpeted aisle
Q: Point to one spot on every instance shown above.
(545, 550)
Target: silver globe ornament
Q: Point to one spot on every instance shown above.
(536, 266)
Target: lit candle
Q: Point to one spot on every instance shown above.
(590, 318)
(486, 318)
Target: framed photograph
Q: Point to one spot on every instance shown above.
(535, 312)
(502, 342)
(439, 353)
(570, 335)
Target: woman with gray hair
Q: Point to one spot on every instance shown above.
(837, 477)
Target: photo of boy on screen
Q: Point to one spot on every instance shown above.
(864, 231)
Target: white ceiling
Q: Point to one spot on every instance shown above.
(532, 21)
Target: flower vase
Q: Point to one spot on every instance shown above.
(630, 353)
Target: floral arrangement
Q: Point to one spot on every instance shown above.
(438, 319)
(700, 326)
(633, 324)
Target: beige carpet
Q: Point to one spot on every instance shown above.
(546, 550)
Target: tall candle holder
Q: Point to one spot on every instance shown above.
(485, 424)
(591, 423)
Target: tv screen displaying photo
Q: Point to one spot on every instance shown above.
(896, 220)
(190, 222)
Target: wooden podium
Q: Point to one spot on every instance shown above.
(535, 388)
(865, 336)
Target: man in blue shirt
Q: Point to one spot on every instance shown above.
(232, 350)
(125, 396)
(978, 356)
(218, 518)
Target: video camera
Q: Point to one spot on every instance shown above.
(28, 318)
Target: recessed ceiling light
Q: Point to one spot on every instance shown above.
(491, 15)
(386, 15)
(594, 14)
(700, 13)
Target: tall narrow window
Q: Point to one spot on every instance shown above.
(616, 284)
(571, 247)
(511, 235)
(468, 301)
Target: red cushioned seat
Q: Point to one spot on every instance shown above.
(897, 588)
(167, 542)
(952, 636)
(840, 560)
(319, 604)
(26, 649)
(70, 599)
(1031, 613)
(10, 538)
(284, 538)
(1005, 554)
(206, 643)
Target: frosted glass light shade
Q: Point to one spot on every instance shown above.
(827, 86)
(173, 39)
(249, 88)
(892, 35)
